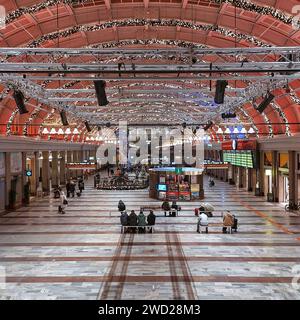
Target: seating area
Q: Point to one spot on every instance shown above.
(149, 228)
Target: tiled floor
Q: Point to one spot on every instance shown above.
(82, 255)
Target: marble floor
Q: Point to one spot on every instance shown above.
(82, 255)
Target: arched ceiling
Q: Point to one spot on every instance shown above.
(149, 24)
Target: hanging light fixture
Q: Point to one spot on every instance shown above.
(53, 131)
(251, 130)
(87, 139)
(75, 131)
(227, 130)
(68, 131)
(243, 130)
(236, 130)
(45, 131)
(220, 130)
(60, 131)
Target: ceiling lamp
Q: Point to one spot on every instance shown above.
(75, 131)
(45, 131)
(87, 139)
(251, 130)
(243, 130)
(68, 131)
(53, 131)
(236, 130)
(220, 130)
(60, 131)
(227, 130)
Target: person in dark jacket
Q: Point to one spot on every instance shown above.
(132, 220)
(124, 219)
(121, 206)
(72, 188)
(141, 221)
(166, 207)
(80, 185)
(151, 220)
(68, 185)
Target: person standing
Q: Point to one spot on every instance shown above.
(68, 186)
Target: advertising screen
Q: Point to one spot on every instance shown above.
(242, 159)
(161, 187)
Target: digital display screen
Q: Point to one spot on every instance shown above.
(242, 159)
(161, 187)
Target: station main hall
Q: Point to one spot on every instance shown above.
(149, 150)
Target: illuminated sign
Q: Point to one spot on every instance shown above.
(28, 173)
(241, 159)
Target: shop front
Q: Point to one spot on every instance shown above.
(283, 177)
(172, 184)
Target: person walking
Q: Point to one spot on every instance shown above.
(72, 188)
(63, 203)
(80, 185)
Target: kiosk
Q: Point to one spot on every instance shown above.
(172, 183)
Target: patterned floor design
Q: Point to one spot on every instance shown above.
(82, 255)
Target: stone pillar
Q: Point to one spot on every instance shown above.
(293, 196)
(7, 179)
(201, 189)
(54, 171)
(36, 169)
(46, 172)
(24, 179)
(261, 174)
(62, 166)
(275, 178)
(69, 160)
(75, 159)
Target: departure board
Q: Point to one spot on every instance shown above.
(242, 158)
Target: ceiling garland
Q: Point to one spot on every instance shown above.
(243, 4)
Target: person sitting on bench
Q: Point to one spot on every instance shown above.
(141, 222)
(202, 221)
(166, 207)
(132, 220)
(124, 219)
(228, 221)
(174, 208)
(151, 220)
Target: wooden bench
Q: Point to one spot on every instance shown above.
(123, 228)
(228, 228)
